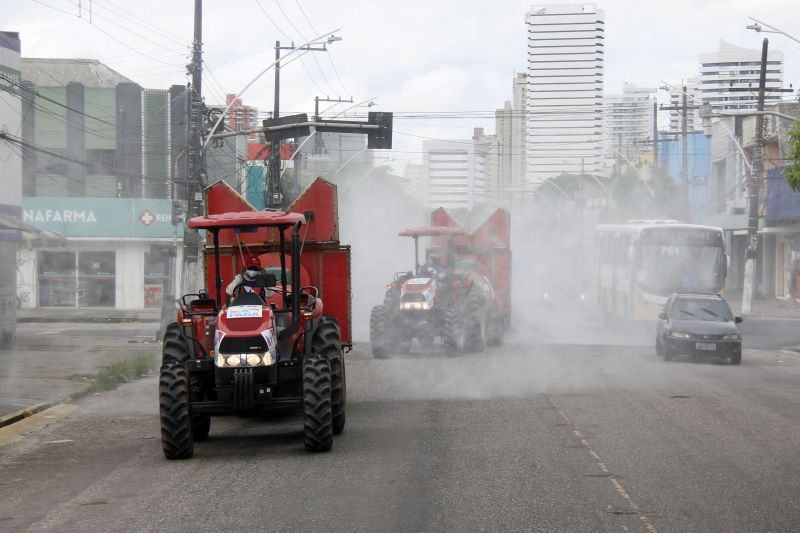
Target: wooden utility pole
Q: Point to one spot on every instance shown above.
(684, 108)
(753, 189)
(655, 139)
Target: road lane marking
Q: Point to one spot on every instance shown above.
(604, 468)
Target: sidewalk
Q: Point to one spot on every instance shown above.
(52, 357)
(764, 307)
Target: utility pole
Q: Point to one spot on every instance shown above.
(274, 192)
(753, 190)
(685, 150)
(684, 108)
(655, 139)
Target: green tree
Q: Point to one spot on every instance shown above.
(792, 171)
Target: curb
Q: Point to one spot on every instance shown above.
(22, 414)
(98, 320)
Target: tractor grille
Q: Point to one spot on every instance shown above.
(243, 345)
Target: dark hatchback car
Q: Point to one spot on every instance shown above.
(698, 325)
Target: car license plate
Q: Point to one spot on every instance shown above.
(708, 346)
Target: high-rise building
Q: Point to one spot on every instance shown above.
(729, 77)
(693, 121)
(629, 122)
(456, 172)
(240, 116)
(564, 90)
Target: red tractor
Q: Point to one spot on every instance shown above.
(272, 345)
(460, 295)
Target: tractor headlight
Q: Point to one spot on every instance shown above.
(233, 360)
(417, 306)
(680, 335)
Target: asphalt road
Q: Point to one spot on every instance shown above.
(548, 438)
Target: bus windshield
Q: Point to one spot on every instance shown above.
(668, 268)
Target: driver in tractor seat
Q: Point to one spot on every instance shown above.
(247, 278)
(431, 268)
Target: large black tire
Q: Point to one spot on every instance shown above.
(391, 300)
(474, 326)
(379, 332)
(317, 412)
(177, 440)
(453, 332)
(176, 351)
(176, 345)
(327, 343)
(495, 331)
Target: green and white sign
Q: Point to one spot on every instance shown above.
(142, 218)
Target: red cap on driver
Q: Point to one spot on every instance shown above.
(253, 262)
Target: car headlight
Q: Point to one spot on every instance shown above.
(732, 337)
(680, 335)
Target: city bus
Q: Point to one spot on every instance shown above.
(642, 262)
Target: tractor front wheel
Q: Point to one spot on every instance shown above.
(453, 334)
(473, 324)
(327, 343)
(378, 332)
(177, 440)
(317, 412)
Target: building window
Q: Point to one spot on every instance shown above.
(157, 272)
(77, 279)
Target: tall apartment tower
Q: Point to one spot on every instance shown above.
(727, 74)
(564, 90)
(629, 122)
(456, 172)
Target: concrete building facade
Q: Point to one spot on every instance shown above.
(564, 90)
(629, 122)
(455, 171)
(103, 160)
(729, 77)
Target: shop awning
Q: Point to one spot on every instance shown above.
(31, 235)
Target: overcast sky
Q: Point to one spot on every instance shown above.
(413, 55)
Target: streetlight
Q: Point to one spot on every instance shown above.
(772, 29)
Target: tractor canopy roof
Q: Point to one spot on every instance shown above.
(243, 219)
(431, 231)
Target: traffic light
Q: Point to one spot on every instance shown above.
(380, 139)
(177, 212)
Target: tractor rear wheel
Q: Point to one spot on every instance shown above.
(473, 324)
(453, 334)
(378, 332)
(317, 415)
(327, 343)
(176, 350)
(177, 440)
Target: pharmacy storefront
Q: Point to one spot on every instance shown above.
(119, 253)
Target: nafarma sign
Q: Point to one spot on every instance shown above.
(101, 217)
